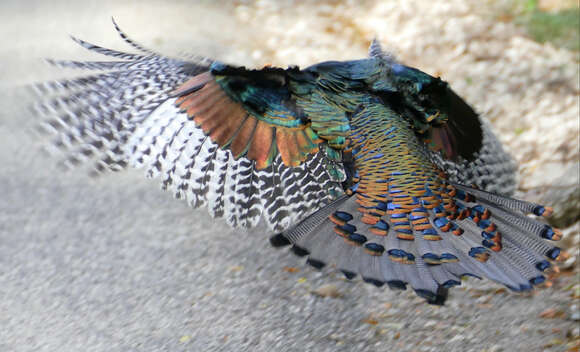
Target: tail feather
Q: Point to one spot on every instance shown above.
(423, 281)
(444, 277)
(394, 274)
(481, 235)
(521, 265)
(306, 226)
(321, 245)
(464, 268)
(347, 263)
(506, 202)
(370, 270)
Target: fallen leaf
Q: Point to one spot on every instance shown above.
(576, 292)
(290, 269)
(553, 313)
(184, 338)
(236, 268)
(370, 321)
(574, 346)
(554, 342)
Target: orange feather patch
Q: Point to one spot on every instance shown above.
(262, 147)
(243, 138)
(229, 125)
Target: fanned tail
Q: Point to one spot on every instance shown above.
(477, 234)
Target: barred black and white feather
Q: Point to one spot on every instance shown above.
(125, 115)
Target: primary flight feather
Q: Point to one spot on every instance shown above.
(369, 165)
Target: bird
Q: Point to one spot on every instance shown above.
(374, 168)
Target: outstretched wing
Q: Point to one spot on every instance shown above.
(235, 140)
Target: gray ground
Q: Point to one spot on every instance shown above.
(112, 264)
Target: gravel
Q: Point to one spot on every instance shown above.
(112, 264)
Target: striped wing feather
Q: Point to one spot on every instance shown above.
(173, 119)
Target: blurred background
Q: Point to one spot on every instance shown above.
(111, 264)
